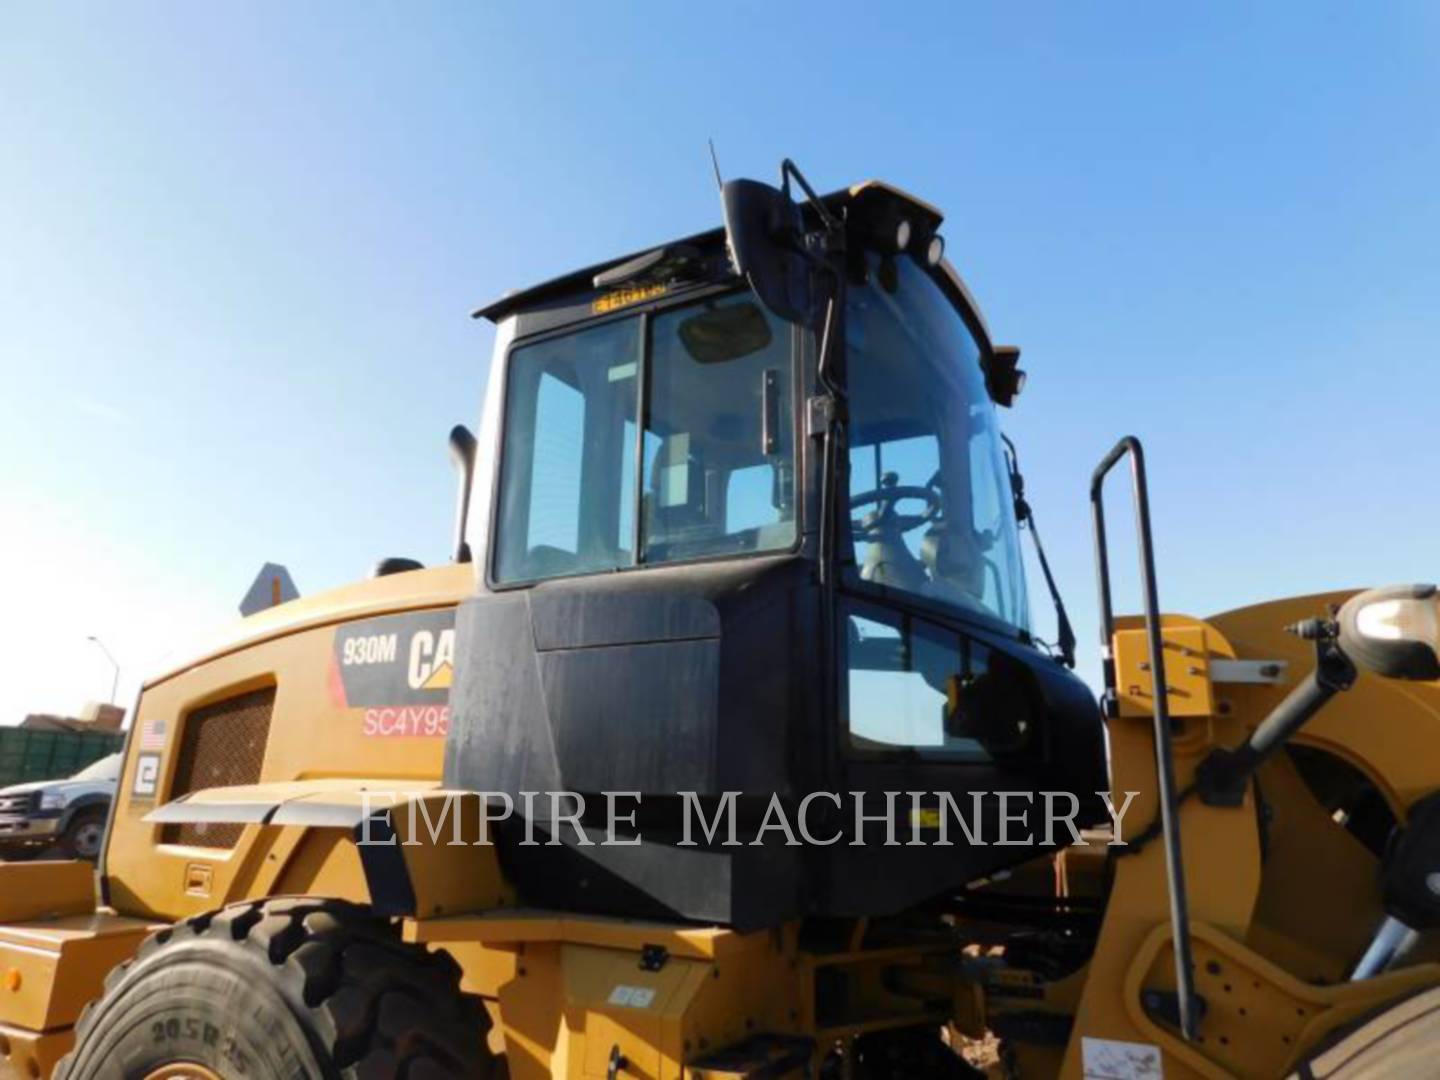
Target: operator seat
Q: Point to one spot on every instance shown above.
(956, 568)
(887, 560)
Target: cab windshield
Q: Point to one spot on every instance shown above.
(930, 503)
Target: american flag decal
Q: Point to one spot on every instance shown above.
(152, 735)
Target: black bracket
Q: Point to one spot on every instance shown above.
(618, 1063)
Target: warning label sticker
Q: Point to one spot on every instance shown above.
(1112, 1059)
(399, 669)
(631, 997)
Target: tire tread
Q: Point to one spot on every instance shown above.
(374, 1004)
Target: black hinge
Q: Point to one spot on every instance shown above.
(819, 415)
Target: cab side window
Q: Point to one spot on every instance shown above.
(702, 466)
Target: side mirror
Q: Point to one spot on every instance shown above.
(462, 455)
(764, 230)
(995, 708)
(1394, 631)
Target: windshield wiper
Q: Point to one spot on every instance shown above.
(1025, 518)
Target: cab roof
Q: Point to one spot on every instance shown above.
(583, 280)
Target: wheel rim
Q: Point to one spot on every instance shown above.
(182, 1070)
(87, 840)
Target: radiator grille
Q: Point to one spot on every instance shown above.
(220, 745)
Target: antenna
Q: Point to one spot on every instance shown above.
(716, 162)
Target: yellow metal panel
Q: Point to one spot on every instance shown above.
(1260, 1019)
(292, 647)
(1221, 848)
(566, 1002)
(32, 1053)
(38, 890)
(50, 969)
(1187, 672)
(618, 1005)
(523, 924)
(1309, 856)
(451, 863)
(437, 586)
(326, 862)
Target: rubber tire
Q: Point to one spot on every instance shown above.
(295, 989)
(66, 844)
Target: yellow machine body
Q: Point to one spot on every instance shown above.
(1273, 936)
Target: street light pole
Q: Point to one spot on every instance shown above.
(115, 682)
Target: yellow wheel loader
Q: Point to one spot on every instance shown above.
(724, 748)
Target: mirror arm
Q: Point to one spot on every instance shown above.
(788, 169)
(1224, 776)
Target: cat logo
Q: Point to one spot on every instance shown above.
(431, 660)
(394, 660)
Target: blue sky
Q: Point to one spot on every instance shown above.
(239, 244)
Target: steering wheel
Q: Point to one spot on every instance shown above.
(885, 519)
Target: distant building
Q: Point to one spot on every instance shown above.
(93, 717)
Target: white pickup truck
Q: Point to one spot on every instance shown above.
(65, 815)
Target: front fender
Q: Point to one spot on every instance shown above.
(424, 851)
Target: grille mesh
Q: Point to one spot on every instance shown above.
(221, 745)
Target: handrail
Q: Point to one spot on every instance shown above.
(1164, 756)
